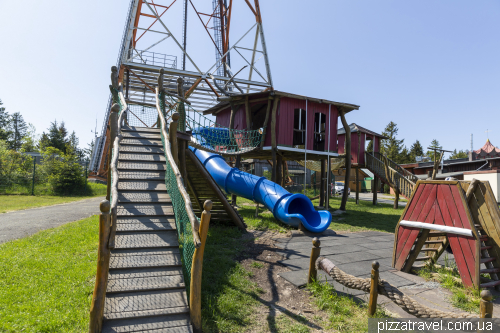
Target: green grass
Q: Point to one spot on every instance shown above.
(464, 298)
(10, 203)
(47, 279)
(344, 314)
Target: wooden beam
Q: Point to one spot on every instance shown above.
(248, 112)
(357, 185)
(347, 159)
(268, 111)
(416, 251)
(322, 184)
(375, 189)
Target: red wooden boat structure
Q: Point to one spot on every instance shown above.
(460, 214)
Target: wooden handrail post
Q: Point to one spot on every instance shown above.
(486, 306)
(172, 133)
(113, 126)
(197, 269)
(101, 279)
(372, 305)
(315, 251)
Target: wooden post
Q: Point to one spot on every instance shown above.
(182, 159)
(315, 251)
(357, 185)
(172, 133)
(347, 160)
(372, 305)
(273, 167)
(256, 210)
(196, 270)
(237, 166)
(101, 280)
(322, 184)
(375, 189)
(279, 172)
(285, 175)
(113, 126)
(486, 306)
(248, 112)
(266, 120)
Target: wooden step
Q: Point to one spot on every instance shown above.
(144, 258)
(141, 129)
(167, 323)
(142, 166)
(433, 241)
(150, 185)
(141, 135)
(436, 234)
(490, 284)
(146, 284)
(486, 260)
(139, 273)
(141, 157)
(142, 175)
(423, 258)
(429, 249)
(489, 270)
(483, 238)
(486, 248)
(141, 142)
(143, 196)
(145, 303)
(144, 209)
(163, 239)
(141, 149)
(478, 226)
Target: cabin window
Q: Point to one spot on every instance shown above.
(319, 131)
(299, 128)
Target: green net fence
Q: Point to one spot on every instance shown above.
(182, 222)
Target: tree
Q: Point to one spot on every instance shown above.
(391, 147)
(404, 156)
(72, 146)
(416, 149)
(30, 140)
(4, 123)
(369, 148)
(19, 129)
(55, 138)
(88, 151)
(459, 154)
(430, 153)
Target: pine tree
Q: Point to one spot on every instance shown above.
(430, 153)
(369, 148)
(391, 147)
(19, 129)
(30, 140)
(404, 156)
(4, 123)
(73, 143)
(416, 149)
(459, 154)
(55, 138)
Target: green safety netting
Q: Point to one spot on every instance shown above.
(209, 135)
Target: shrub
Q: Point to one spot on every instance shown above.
(64, 174)
(15, 168)
(387, 189)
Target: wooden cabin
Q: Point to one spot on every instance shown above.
(359, 139)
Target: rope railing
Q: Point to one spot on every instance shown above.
(209, 135)
(375, 286)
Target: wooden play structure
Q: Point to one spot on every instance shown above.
(461, 214)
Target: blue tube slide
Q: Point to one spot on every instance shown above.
(287, 207)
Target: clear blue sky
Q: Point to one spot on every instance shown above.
(430, 66)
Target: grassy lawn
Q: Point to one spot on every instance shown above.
(47, 279)
(14, 202)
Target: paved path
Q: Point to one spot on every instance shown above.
(381, 198)
(354, 253)
(26, 222)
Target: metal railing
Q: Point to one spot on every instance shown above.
(153, 58)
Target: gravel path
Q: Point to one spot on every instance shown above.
(26, 222)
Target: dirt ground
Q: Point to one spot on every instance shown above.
(284, 308)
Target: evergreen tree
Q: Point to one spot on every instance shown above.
(404, 157)
(459, 154)
(55, 138)
(391, 147)
(19, 129)
(30, 140)
(88, 151)
(416, 149)
(4, 123)
(430, 153)
(73, 143)
(369, 148)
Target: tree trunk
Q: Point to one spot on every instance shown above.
(347, 160)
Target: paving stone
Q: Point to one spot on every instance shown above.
(361, 267)
(384, 253)
(376, 239)
(378, 245)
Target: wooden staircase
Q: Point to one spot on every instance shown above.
(145, 290)
(404, 179)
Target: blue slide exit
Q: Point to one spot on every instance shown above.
(287, 207)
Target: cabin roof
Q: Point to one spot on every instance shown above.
(356, 128)
(224, 101)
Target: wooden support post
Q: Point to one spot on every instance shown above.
(237, 165)
(284, 168)
(256, 210)
(372, 305)
(315, 252)
(182, 159)
(101, 280)
(375, 189)
(172, 133)
(268, 111)
(248, 112)
(273, 167)
(347, 160)
(279, 172)
(322, 184)
(486, 306)
(329, 183)
(197, 269)
(113, 126)
(357, 186)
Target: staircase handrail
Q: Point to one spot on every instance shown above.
(195, 224)
(407, 174)
(403, 182)
(108, 217)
